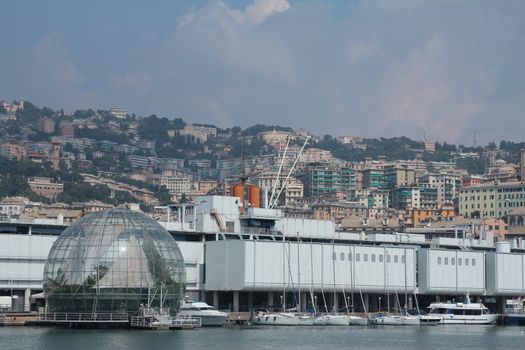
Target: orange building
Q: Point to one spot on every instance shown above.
(417, 216)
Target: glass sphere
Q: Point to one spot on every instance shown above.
(114, 261)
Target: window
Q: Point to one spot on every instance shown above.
(452, 261)
(342, 255)
(349, 256)
(446, 260)
(466, 261)
(334, 256)
(365, 257)
(380, 258)
(459, 261)
(373, 258)
(439, 260)
(388, 258)
(473, 262)
(396, 259)
(403, 259)
(357, 257)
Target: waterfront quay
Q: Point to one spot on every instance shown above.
(301, 264)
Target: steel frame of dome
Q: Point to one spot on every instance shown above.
(114, 261)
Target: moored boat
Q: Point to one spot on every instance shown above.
(394, 320)
(264, 317)
(463, 313)
(514, 312)
(208, 314)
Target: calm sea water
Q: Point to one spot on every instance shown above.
(432, 337)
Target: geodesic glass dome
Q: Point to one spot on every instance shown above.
(114, 261)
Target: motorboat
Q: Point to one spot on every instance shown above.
(208, 314)
(514, 312)
(462, 313)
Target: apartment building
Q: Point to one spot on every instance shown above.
(491, 200)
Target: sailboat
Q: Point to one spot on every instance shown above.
(400, 318)
(284, 318)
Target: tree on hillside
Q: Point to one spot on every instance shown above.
(29, 114)
(256, 129)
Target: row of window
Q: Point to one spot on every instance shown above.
(366, 256)
(445, 261)
(500, 190)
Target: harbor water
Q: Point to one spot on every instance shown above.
(431, 337)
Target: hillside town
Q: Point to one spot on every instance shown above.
(59, 165)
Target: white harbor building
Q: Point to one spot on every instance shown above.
(239, 258)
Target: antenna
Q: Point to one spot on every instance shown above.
(474, 143)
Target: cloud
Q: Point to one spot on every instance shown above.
(358, 51)
(366, 67)
(138, 84)
(261, 10)
(254, 14)
(53, 65)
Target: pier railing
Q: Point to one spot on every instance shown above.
(83, 317)
(179, 322)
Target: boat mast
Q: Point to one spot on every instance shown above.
(312, 278)
(333, 277)
(279, 172)
(406, 293)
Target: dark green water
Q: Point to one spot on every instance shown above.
(437, 337)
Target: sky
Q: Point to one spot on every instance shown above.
(374, 68)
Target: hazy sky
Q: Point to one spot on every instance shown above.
(372, 68)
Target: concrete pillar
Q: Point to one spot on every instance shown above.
(27, 301)
(235, 301)
(270, 298)
(216, 299)
(250, 300)
(501, 304)
(335, 303)
(304, 301)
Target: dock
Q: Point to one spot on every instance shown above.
(81, 320)
(239, 318)
(17, 318)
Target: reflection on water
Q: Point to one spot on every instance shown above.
(436, 337)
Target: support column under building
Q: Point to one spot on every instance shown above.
(27, 300)
(250, 301)
(335, 302)
(270, 299)
(304, 301)
(235, 301)
(216, 299)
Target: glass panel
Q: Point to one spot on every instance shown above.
(114, 261)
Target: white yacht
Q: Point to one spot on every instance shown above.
(462, 313)
(264, 317)
(208, 314)
(344, 320)
(395, 320)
